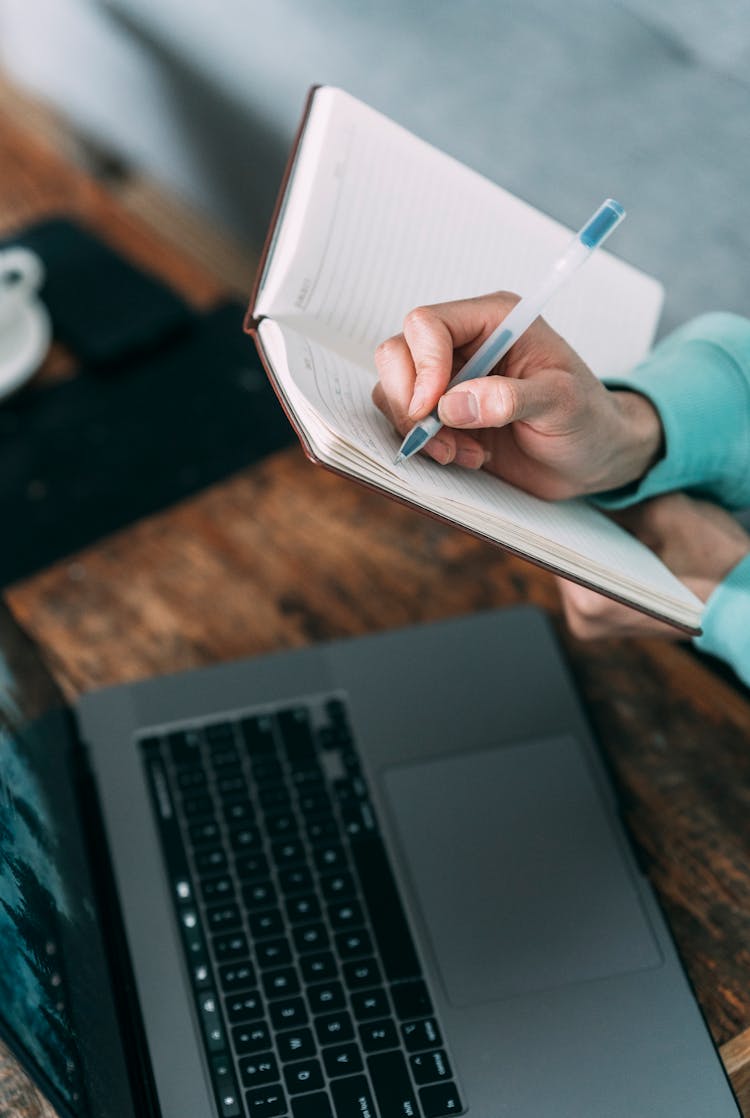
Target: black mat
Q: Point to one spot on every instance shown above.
(87, 456)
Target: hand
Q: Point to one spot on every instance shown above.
(698, 541)
(542, 420)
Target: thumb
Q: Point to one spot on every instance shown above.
(495, 401)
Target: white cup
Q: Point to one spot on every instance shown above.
(21, 276)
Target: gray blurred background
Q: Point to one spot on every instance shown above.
(560, 103)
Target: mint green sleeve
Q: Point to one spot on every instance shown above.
(698, 379)
(726, 621)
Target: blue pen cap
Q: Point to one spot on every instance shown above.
(598, 228)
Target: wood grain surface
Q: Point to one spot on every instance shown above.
(284, 554)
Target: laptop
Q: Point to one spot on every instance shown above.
(377, 878)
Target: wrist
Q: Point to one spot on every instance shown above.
(638, 440)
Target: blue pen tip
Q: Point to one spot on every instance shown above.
(598, 228)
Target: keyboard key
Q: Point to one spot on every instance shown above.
(191, 779)
(383, 903)
(288, 853)
(192, 935)
(204, 833)
(232, 945)
(259, 894)
(244, 1007)
(313, 804)
(224, 756)
(307, 1075)
(274, 797)
(288, 1013)
(222, 917)
(251, 1038)
(346, 914)
(216, 889)
(344, 1059)
(201, 976)
(231, 785)
(296, 880)
(185, 747)
(213, 1028)
(358, 820)
(429, 1067)
(370, 1003)
(273, 952)
(392, 1085)
(303, 909)
(197, 807)
(361, 973)
(320, 831)
(265, 924)
(318, 966)
(333, 1028)
(225, 1087)
(440, 1100)
(280, 983)
(353, 944)
(310, 937)
(295, 1045)
(330, 856)
(210, 861)
(245, 838)
(411, 999)
(268, 771)
(312, 1106)
(352, 1097)
(325, 996)
(294, 725)
(236, 976)
(250, 867)
(217, 732)
(337, 886)
(239, 811)
(258, 735)
(281, 825)
(266, 1102)
(259, 1069)
(421, 1034)
(376, 1035)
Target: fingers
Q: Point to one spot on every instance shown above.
(591, 616)
(495, 401)
(415, 366)
(447, 446)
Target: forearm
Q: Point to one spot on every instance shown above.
(698, 383)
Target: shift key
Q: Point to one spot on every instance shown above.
(392, 1084)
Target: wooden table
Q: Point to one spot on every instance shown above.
(284, 554)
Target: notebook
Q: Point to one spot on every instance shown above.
(371, 222)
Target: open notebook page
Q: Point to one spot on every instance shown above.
(376, 222)
(330, 397)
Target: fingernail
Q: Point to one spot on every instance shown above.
(470, 457)
(441, 451)
(459, 407)
(418, 402)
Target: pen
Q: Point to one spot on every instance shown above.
(587, 239)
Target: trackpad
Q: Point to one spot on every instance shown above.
(515, 865)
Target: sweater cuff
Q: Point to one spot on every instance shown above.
(698, 379)
(726, 621)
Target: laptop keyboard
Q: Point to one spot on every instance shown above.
(307, 983)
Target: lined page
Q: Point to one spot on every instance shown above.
(330, 396)
(377, 222)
